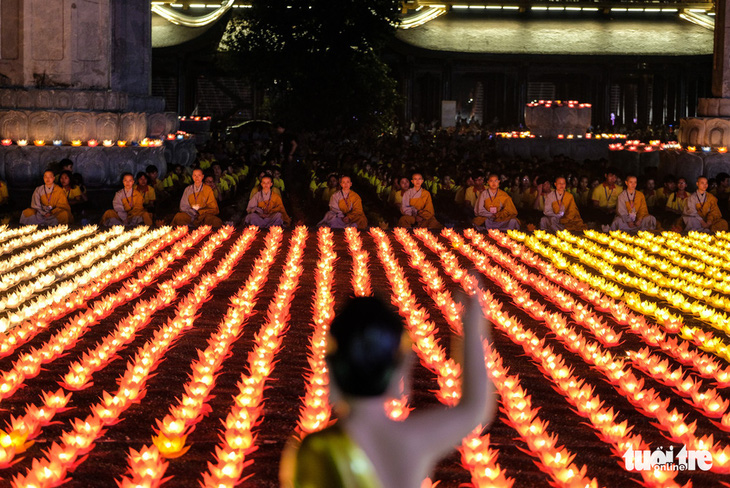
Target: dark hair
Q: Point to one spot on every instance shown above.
(152, 169)
(70, 177)
(125, 174)
(139, 175)
(367, 334)
(65, 162)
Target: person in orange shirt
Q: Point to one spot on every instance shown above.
(561, 211)
(417, 206)
(345, 208)
(198, 205)
(128, 206)
(632, 212)
(495, 209)
(48, 205)
(265, 208)
(702, 213)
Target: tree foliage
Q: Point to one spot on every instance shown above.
(319, 60)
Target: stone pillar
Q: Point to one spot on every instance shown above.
(721, 52)
(79, 70)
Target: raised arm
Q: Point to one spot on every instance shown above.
(434, 432)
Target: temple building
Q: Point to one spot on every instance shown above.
(644, 63)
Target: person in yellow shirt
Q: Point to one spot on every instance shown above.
(605, 197)
(209, 180)
(153, 180)
(48, 205)
(495, 209)
(676, 203)
(544, 188)
(223, 184)
(561, 211)
(73, 192)
(331, 188)
(147, 192)
(632, 212)
(417, 206)
(345, 208)
(702, 213)
(266, 209)
(128, 206)
(582, 193)
(669, 186)
(722, 192)
(471, 195)
(529, 192)
(650, 194)
(460, 194)
(396, 197)
(198, 205)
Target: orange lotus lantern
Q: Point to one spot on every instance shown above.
(39, 142)
(121, 143)
(170, 447)
(76, 143)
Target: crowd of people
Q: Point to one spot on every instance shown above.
(420, 178)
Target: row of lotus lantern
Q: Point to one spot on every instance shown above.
(648, 402)
(237, 437)
(80, 439)
(28, 426)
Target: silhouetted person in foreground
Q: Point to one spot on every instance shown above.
(365, 448)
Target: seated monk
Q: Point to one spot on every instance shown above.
(495, 209)
(417, 206)
(702, 213)
(632, 212)
(266, 209)
(561, 211)
(48, 205)
(128, 206)
(198, 205)
(345, 208)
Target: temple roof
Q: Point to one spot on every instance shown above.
(667, 36)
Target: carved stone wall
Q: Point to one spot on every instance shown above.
(555, 120)
(69, 126)
(713, 132)
(101, 167)
(79, 100)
